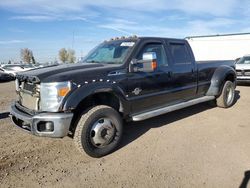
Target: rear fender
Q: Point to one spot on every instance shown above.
(219, 78)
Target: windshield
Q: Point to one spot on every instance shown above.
(113, 52)
(244, 60)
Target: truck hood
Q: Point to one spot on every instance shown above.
(65, 72)
(242, 66)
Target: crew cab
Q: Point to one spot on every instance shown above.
(130, 79)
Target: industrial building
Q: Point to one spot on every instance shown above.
(220, 47)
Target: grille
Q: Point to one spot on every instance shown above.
(247, 73)
(243, 72)
(29, 87)
(29, 95)
(239, 73)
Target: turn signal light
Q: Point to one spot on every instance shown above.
(154, 65)
(62, 92)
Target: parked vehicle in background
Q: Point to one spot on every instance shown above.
(12, 69)
(129, 79)
(38, 65)
(5, 76)
(243, 68)
(237, 59)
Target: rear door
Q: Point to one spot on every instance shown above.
(184, 70)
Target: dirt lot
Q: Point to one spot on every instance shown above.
(195, 147)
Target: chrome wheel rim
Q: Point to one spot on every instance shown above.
(229, 95)
(102, 132)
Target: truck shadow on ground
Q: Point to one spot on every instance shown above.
(4, 115)
(237, 96)
(133, 130)
(245, 180)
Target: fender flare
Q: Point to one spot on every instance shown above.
(218, 79)
(79, 94)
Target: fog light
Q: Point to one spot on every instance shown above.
(49, 126)
(45, 126)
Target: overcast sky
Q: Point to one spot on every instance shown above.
(45, 26)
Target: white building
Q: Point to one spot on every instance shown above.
(220, 47)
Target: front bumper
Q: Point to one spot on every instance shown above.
(44, 124)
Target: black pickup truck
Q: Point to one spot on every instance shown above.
(130, 79)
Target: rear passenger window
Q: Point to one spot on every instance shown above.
(180, 53)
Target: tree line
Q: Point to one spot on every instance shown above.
(66, 56)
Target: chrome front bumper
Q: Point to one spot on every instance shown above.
(44, 124)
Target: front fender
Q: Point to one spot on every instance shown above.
(80, 93)
(218, 79)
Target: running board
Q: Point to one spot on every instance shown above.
(167, 109)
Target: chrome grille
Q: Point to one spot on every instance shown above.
(239, 73)
(29, 95)
(29, 87)
(243, 72)
(29, 101)
(247, 73)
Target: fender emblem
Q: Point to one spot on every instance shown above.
(137, 91)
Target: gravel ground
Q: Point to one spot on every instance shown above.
(198, 146)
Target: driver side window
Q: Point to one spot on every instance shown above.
(158, 49)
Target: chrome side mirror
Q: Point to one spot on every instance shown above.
(147, 64)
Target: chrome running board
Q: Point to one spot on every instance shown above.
(167, 109)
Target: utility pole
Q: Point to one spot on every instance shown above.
(73, 40)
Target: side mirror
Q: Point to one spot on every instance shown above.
(147, 64)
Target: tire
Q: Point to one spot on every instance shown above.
(99, 131)
(226, 99)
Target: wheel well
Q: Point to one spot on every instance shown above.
(102, 98)
(230, 77)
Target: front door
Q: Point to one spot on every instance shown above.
(147, 90)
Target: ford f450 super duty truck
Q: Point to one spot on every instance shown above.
(130, 79)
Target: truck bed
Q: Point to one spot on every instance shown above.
(214, 63)
(208, 67)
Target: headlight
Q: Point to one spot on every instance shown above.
(52, 95)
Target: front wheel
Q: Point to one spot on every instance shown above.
(98, 131)
(226, 99)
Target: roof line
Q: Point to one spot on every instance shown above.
(217, 35)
